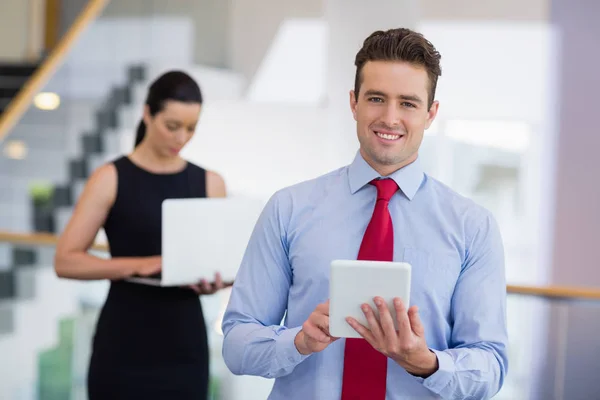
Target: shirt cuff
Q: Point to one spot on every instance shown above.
(442, 377)
(285, 350)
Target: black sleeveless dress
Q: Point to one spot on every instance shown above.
(150, 342)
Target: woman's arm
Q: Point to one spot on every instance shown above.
(72, 259)
(215, 185)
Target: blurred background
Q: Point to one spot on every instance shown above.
(516, 132)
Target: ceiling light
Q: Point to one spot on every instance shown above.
(46, 101)
(15, 149)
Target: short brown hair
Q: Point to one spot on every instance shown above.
(400, 44)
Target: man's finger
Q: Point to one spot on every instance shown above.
(385, 318)
(374, 325)
(404, 329)
(362, 331)
(322, 321)
(314, 332)
(415, 321)
(323, 308)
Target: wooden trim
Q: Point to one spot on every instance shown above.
(553, 292)
(556, 292)
(23, 99)
(52, 24)
(38, 239)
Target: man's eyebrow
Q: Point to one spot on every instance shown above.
(411, 97)
(408, 97)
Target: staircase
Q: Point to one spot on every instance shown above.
(12, 78)
(95, 146)
(26, 304)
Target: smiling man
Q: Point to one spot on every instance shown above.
(380, 207)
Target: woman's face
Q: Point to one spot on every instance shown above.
(170, 129)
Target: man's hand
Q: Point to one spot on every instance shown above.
(314, 336)
(407, 345)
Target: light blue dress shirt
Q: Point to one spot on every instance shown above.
(458, 283)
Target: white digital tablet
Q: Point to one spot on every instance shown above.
(355, 282)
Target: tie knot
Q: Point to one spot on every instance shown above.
(385, 188)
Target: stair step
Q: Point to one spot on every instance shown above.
(12, 193)
(13, 81)
(92, 143)
(15, 256)
(136, 73)
(78, 169)
(17, 69)
(7, 285)
(7, 318)
(43, 137)
(25, 282)
(98, 160)
(107, 119)
(4, 101)
(9, 92)
(24, 256)
(5, 256)
(62, 196)
(16, 217)
(62, 216)
(38, 165)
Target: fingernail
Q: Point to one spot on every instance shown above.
(378, 301)
(365, 308)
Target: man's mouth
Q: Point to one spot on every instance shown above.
(386, 135)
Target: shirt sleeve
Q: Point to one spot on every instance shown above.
(255, 341)
(475, 365)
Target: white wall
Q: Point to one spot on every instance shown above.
(253, 25)
(210, 23)
(490, 10)
(260, 148)
(14, 23)
(492, 69)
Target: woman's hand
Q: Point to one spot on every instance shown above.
(146, 266)
(204, 287)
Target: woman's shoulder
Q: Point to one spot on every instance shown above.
(208, 174)
(215, 184)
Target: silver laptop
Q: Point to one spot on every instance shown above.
(203, 236)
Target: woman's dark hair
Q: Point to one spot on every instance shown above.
(172, 85)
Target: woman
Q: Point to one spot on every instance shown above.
(150, 342)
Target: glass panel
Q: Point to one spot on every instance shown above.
(553, 350)
(40, 324)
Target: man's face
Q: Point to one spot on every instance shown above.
(391, 113)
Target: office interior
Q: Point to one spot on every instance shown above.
(515, 132)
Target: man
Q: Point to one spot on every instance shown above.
(454, 345)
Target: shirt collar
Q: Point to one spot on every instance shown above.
(408, 178)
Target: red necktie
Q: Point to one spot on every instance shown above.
(365, 368)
